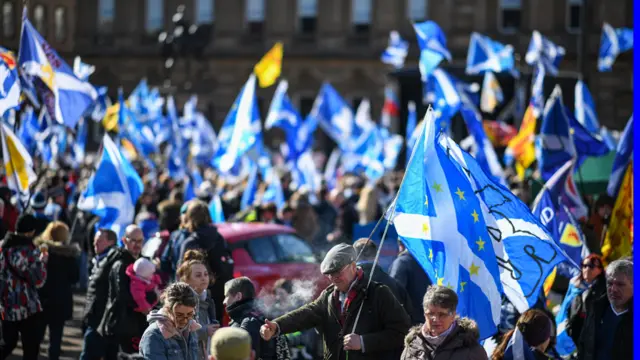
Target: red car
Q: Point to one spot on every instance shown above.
(268, 252)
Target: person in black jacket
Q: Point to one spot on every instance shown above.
(205, 236)
(121, 326)
(406, 270)
(63, 272)
(106, 254)
(239, 298)
(367, 249)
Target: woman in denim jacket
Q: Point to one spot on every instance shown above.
(171, 334)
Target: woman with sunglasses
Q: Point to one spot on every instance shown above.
(592, 284)
(171, 334)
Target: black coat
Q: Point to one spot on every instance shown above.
(623, 337)
(409, 274)
(56, 295)
(98, 289)
(577, 312)
(382, 277)
(245, 314)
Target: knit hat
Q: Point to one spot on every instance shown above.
(38, 201)
(26, 223)
(144, 268)
(231, 344)
(536, 329)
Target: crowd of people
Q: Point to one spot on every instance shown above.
(178, 298)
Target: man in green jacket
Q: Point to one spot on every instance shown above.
(356, 321)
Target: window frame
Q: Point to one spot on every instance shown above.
(361, 28)
(105, 24)
(43, 31)
(408, 10)
(273, 244)
(11, 17)
(501, 8)
(281, 253)
(301, 18)
(197, 11)
(63, 24)
(148, 20)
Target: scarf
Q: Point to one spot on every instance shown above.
(436, 341)
(351, 294)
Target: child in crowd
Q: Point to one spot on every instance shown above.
(144, 284)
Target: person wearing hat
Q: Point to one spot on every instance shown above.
(56, 209)
(23, 269)
(357, 319)
(38, 203)
(231, 343)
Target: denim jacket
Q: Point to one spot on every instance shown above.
(162, 341)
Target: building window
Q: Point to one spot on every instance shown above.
(40, 19)
(106, 14)
(510, 15)
(361, 16)
(254, 14)
(307, 16)
(155, 16)
(574, 10)
(417, 10)
(60, 22)
(8, 20)
(205, 11)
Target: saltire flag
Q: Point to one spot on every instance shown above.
(9, 82)
(215, 209)
(113, 190)
(330, 174)
(612, 43)
(66, 97)
(390, 108)
(555, 143)
(396, 51)
(524, 249)
(30, 127)
(333, 115)
(517, 348)
(18, 164)
(269, 68)
(550, 206)
(624, 154)
(446, 101)
(440, 221)
(81, 70)
(412, 129)
(250, 193)
(564, 343)
(585, 109)
(433, 47)
(587, 143)
(203, 144)
(544, 51)
(485, 54)
(618, 241)
(608, 138)
(284, 115)
(80, 142)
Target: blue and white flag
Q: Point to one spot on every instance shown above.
(283, 114)
(612, 43)
(433, 47)
(81, 70)
(396, 51)
(440, 221)
(215, 209)
(517, 348)
(113, 190)
(624, 154)
(241, 129)
(9, 82)
(204, 142)
(80, 142)
(68, 96)
(554, 145)
(542, 50)
(587, 143)
(412, 122)
(491, 95)
(564, 343)
(524, 249)
(608, 138)
(485, 54)
(333, 115)
(273, 193)
(251, 191)
(585, 109)
(446, 102)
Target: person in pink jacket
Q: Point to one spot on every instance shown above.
(144, 284)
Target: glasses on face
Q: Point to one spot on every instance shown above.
(337, 274)
(187, 317)
(435, 316)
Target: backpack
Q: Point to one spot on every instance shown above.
(218, 257)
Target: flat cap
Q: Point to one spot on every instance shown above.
(337, 258)
(231, 344)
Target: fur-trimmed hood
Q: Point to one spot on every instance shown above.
(67, 250)
(461, 343)
(166, 326)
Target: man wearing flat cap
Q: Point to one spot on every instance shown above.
(381, 323)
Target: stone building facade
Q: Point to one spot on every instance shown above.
(339, 41)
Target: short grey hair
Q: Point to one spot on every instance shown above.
(179, 294)
(440, 296)
(620, 267)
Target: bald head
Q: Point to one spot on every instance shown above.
(133, 239)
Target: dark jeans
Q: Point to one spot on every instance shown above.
(29, 330)
(56, 327)
(94, 347)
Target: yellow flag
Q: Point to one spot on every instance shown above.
(522, 145)
(17, 162)
(548, 283)
(619, 238)
(110, 120)
(269, 67)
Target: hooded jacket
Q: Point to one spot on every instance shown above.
(246, 315)
(162, 341)
(206, 315)
(62, 273)
(143, 291)
(461, 344)
(21, 274)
